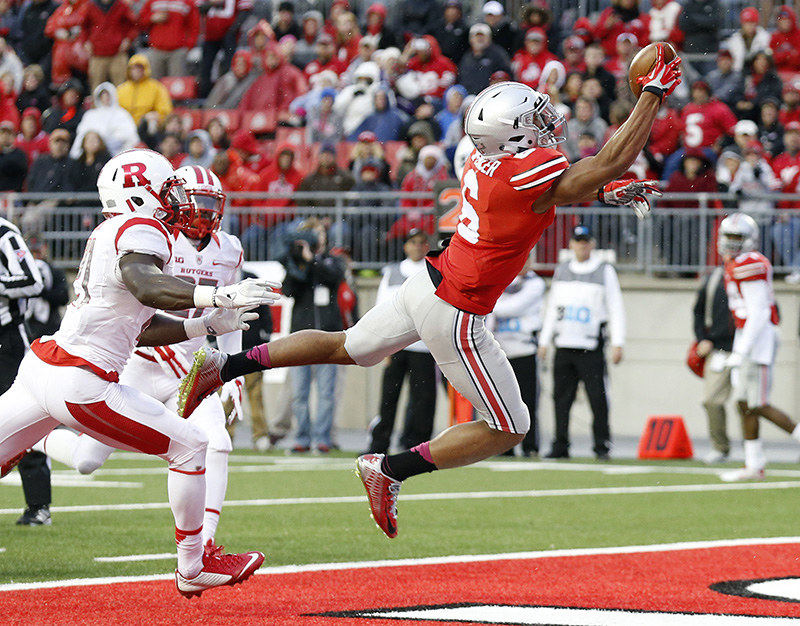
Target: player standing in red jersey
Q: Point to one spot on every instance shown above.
(510, 187)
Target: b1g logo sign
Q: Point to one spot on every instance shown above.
(134, 175)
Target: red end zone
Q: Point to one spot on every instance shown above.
(672, 581)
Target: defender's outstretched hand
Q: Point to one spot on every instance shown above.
(232, 390)
(663, 77)
(630, 193)
(220, 322)
(247, 293)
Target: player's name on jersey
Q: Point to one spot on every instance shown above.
(487, 166)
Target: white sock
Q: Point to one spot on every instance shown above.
(796, 432)
(216, 485)
(754, 454)
(59, 445)
(187, 508)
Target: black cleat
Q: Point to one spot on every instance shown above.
(36, 517)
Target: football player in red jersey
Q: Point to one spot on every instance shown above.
(748, 281)
(510, 187)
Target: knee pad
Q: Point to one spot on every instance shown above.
(189, 450)
(87, 466)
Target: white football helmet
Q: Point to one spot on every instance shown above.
(207, 201)
(510, 117)
(737, 233)
(141, 181)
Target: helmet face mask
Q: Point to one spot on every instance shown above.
(509, 117)
(206, 203)
(738, 233)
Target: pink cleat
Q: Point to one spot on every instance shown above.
(219, 570)
(382, 492)
(202, 380)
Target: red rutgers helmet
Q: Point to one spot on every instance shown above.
(207, 201)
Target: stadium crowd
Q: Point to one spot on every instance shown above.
(371, 97)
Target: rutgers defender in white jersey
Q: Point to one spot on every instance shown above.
(201, 254)
(72, 377)
(748, 282)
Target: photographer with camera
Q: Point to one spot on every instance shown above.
(312, 280)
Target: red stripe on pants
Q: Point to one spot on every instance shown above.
(487, 390)
(100, 418)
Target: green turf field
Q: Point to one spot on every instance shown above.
(315, 512)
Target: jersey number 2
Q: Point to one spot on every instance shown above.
(468, 220)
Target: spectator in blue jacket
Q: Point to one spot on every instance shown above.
(387, 122)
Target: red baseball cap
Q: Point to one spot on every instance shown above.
(749, 14)
(367, 136)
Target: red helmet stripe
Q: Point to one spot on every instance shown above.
(199, 173)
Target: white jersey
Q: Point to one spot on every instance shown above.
(517, 316)
(217, 264)
(103, 323)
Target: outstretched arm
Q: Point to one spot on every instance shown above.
(582, 180)
(143, 277)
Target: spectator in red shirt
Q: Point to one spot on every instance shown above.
(666, 133)
(32, 140)
(69, 53)
(529, 62)
(347, 37)
(281, 177)
(786, 165)
(251, 154)
(431, 167)
(257, 39)
(790, 111)
(434, 72)
(337, 8)
(623, 16)
(275, 89)
(664, 22)
(173, 26)
(574, 48)
(326, 57)
(785, 41)
(172, 148)
(223, 20)
(376, 26)
(234, 175)
(111, 28)
(705, 119)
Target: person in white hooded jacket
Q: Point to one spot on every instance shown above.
(109, 120)
(355, 102)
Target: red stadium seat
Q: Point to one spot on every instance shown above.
(391, 152)
(181, 88)
(190, 118)
(231, 118)
(259, 122)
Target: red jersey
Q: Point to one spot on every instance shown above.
(497, 227)
(748, 266)
(705, 123)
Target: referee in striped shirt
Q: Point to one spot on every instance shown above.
(20, 279)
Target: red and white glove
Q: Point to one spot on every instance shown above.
(664, 77)
(630, 193)
(232, 390)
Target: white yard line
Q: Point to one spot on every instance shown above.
(135, 557)
(73, 479)
(614, 469)
(464, 495)
(435, 560)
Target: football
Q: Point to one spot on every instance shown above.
(643, 62)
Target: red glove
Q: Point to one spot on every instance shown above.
(629, 192)
(664, 77)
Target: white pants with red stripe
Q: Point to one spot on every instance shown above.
(465, 351)
(752, 383)
(45, 395)
(153, 380)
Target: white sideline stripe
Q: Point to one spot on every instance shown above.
(613, 469)
(464, 495)
(432, 560)
(135, 557)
